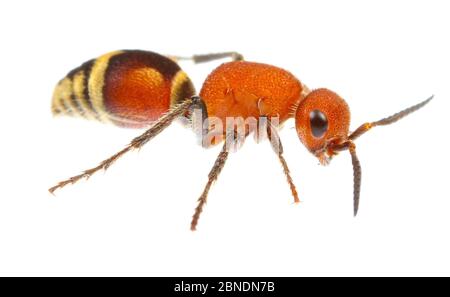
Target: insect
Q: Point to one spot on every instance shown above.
(142, 89)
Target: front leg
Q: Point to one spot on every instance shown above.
(275, 141)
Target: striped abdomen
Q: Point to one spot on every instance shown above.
(127, 88)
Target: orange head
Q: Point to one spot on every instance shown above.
(322, 121)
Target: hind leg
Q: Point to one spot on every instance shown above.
(203, 58)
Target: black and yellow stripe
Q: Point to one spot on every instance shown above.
(72, 95)
(81, 92)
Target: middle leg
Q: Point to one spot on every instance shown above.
(212, 176)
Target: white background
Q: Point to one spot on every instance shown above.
(381, 56)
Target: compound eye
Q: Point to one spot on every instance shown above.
(319, 123)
